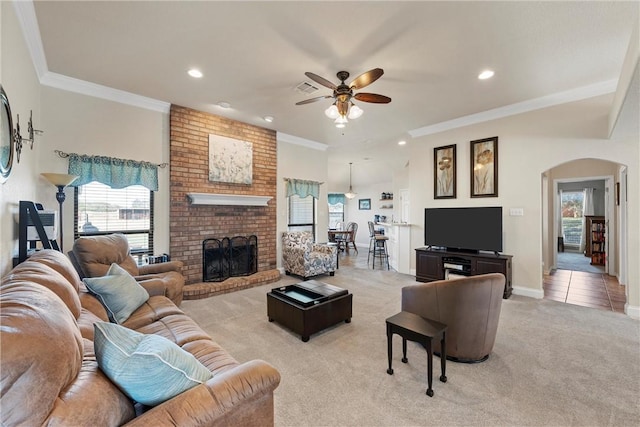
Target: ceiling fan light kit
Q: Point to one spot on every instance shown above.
(343, 106)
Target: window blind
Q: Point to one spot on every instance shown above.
(100, 209)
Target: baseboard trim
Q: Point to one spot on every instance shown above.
(632, 311)
(528, 292)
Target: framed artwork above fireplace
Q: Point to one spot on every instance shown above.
(230, 160)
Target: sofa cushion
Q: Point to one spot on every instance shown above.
(43, 275)
(92, 399)
(41, 353)
(148, 368)
(118, 291)
(156, 308)
(60, 263)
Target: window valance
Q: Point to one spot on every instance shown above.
(302, 188)
(111, 171)
(336, 198)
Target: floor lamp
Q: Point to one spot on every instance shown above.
(60, 180)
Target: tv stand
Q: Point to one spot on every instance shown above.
(432, 264)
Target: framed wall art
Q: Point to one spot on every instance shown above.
(230, 160)
(484, 167)
(364, 204)
(444, 172)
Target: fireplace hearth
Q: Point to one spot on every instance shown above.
(229, 257)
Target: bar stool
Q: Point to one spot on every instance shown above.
(377, 246)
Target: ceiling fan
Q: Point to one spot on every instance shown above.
(343, 106)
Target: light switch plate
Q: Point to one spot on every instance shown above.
(516, 211)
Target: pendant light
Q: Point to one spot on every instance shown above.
(350, 194)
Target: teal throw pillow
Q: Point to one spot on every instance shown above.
(148, 368)
(119, 293)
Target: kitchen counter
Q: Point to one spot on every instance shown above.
(398, 245)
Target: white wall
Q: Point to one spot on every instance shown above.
(300, 162)
(362, 217)
(71, 123)
(529, 144)
(20, 82)
(76, 123)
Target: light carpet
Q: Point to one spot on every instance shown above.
(553, 364)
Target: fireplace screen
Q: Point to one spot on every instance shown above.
(229, 257)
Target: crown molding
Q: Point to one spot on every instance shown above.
(628, 78)
(26, 15)
(572, 95)
(28, 20)
(83, 87)
(301, 141)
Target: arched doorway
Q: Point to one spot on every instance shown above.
(583, 244)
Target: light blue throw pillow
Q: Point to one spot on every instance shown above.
(118, 291)
(148, 368)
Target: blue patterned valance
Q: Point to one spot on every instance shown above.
(336, 198)
(302, 188)
(116, 173)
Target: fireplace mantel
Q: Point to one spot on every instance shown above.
(227, 199)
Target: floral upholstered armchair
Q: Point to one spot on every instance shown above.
(302, 257)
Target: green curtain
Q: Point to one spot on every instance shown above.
(302, 188)
(336, 198)
(116, 173)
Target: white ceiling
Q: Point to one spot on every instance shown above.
(254, 54)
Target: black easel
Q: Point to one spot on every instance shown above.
(29, 210)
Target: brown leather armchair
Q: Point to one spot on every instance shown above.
(469, 306)
(92, 257)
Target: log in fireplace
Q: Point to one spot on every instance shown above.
(229, 257)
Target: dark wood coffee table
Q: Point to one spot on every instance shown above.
(415, 328)
(309, 307)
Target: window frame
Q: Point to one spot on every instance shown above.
(313, 224)
(149, 232)
(342, 212)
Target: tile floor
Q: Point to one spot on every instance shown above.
(594, 290)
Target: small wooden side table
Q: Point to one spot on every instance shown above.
(418, 329)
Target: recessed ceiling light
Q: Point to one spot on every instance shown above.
(224, 104)
(268, 119)
(402, 142)
(486, 74)
(195, 73)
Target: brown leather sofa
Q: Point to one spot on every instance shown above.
(92, 257)
(50, 375)
(469, 306)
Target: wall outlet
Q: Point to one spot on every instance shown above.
(516, 211)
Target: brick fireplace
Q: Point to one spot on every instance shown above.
(191, 223)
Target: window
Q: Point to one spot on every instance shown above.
(100, 209)
(572, 209)
(302, 214)
(336, 214)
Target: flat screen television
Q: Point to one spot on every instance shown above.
(465, 229)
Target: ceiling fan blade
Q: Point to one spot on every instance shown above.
(372, 97)
(324, 82)
(310, 100)
(365, 79)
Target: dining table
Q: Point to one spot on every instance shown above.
(339, 237)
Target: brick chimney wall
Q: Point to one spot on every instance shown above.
(190, 224)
